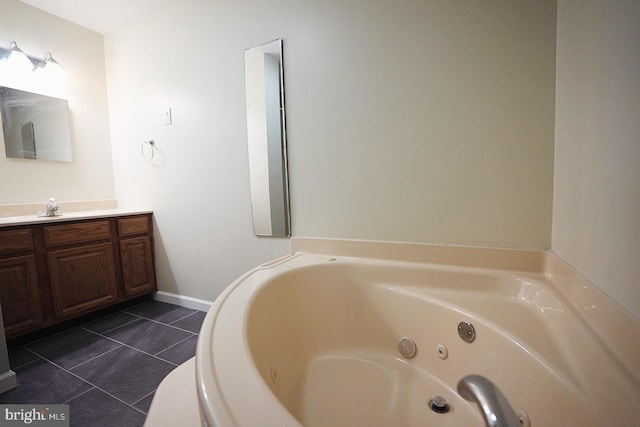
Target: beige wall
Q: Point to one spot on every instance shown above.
(424, 121)
(81, 54)
(596, 210)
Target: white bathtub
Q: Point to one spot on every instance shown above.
(312, 340)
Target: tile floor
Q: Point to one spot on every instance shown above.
(108, 369)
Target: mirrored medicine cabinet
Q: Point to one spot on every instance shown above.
(35, 126)
(267, 143)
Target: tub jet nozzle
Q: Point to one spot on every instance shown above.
(407, 347)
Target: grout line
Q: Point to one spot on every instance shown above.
(144, 397)
(27, 363)
(81, 363)
(177, 320)
(52, 335)
(165, 324)
(81, 326)
(136, 349)
(95, 357)
(174, 305)
(81, 394)
(173, 345)
(121, 344)
(102, 354)
(115, 327)
(91, 384)
(24, 364)
(150, 320)
(71, 373)
(193, 311)
(121, 401)
(95, 387)
(149, 354)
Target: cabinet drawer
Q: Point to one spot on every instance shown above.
(81, 232)
(133, 226)
(16, 240)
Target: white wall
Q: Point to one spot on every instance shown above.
(596, 210)
(188, 57)
(81, 54)
(424, 121)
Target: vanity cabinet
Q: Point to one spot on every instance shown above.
(59, 270)
(81, 265)
(136, 255)
(19, 281)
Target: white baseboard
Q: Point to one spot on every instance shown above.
(183, 301)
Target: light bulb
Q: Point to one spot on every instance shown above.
(18, 60)
(16, 69)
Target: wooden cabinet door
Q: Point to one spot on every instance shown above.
(82, 278)
(19, 294)
(136, 259)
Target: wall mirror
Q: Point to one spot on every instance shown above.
(34, 126)
(264, 89)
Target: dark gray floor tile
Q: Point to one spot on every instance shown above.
(180, 352)
(125, 373)
(159, 311)
(192, 323)
(150, 337)
(109, 322)
(145, 403)
(43, 382)
(20, 356)
(97, 409)
(72, 347)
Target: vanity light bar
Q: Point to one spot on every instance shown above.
(36, 61)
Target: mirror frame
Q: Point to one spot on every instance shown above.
(268, 171)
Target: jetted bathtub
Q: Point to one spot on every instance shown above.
(312, 339)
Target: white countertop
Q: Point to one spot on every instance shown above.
(69, 216)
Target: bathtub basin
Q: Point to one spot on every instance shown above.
(312, 340)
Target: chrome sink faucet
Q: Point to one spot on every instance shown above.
(496, 410)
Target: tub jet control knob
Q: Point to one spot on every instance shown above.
(439, 404)
(466, 331)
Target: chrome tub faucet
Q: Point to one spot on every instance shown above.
(496, 410)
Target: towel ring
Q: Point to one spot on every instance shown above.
(147, 153)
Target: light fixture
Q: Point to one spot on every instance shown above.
(18, 58)
(49, 59)
(14, 48)
(17, 55)
(48, 62)
(33, 74)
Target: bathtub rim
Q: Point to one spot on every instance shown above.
(600, 313)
